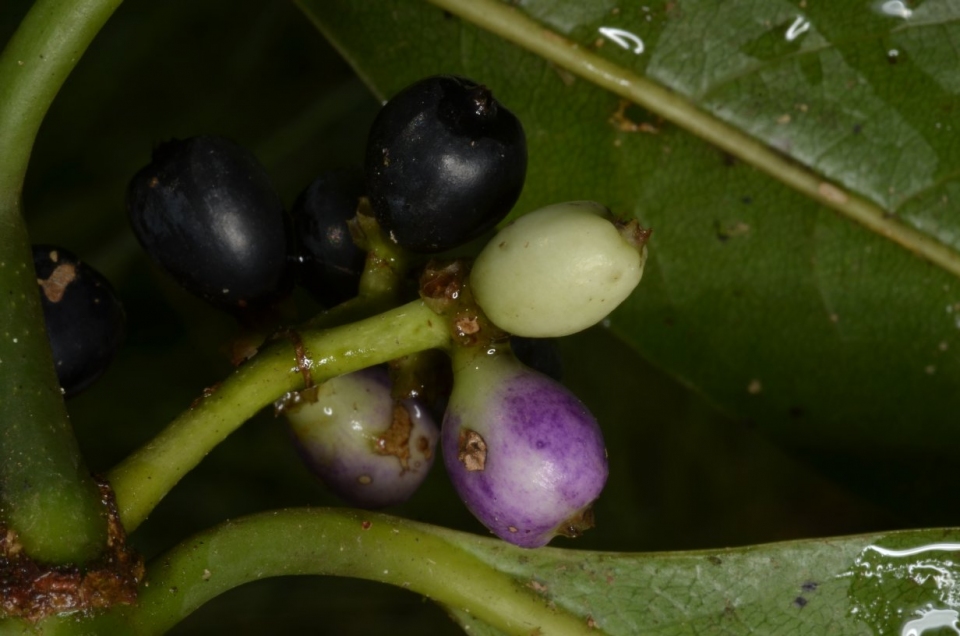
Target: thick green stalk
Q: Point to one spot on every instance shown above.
(334, 542)
(46, 494)
(142, 480)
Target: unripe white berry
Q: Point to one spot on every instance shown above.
(558, 270)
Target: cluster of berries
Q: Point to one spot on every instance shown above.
(445, 162)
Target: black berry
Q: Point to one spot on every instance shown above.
(445, 162)
(329, 264)
(205, 210)
(84, 318)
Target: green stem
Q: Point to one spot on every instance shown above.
(46, 494)
(511, 24)
(142, 480)
(335, 542)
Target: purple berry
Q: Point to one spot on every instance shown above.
(523, 452)
(369, 449)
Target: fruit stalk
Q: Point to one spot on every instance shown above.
(46, 494)
(431, 561)
(142, 480)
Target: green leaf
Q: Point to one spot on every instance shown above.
(784, 282)
(857, 585)
(880, 583)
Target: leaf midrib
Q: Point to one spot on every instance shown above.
(510, 24)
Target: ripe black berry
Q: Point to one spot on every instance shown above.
(445, 162)
(84, 318)
(329, 264)
(204, 209)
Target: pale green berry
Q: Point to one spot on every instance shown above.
(558, 270)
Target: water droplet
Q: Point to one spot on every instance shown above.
(623, 39)
(800, 26)
(933, 619)
(896, 9)
(907, 591)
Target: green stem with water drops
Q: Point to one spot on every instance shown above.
(143, 479)
(46, 493)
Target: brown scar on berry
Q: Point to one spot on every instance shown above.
(423, 445)
(396, 439)
(472, 450)
(60, 278)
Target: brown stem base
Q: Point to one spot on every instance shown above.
(33, 591)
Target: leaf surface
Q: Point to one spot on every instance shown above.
(781, 310)
(872, 584)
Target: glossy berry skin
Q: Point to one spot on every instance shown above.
(205, 210)
(84, 318)
(444, 163)
(558, 270)
(329, 264)
(523, 453)
(371, 451)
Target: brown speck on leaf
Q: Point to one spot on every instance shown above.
(591, 624)
(623, 123)
(472, 450)
(60, 278)
(366, 525)
(396, 439)
(537, 586)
